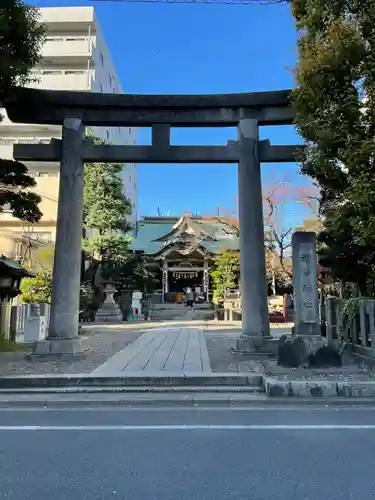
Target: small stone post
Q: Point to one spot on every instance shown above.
(63, 327)
(255, 324)
(304, 261)
(206, 280)
(165, 281)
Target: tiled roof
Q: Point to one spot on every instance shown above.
(221, 234)
(13, 267)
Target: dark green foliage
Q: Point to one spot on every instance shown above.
(225, 274)
(106, 216)
(21, 40)
(336, 70)
(134, 275)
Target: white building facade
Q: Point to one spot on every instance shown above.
(74, 57)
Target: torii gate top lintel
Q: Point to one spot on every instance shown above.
(97, 109)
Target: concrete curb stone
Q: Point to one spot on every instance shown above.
(210, 382)
(300, 388)
(356, 389)
(131, 379)
(318, 388)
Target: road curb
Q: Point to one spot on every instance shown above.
(323, 389)
(193, 382)
(131, 380)
(254, 401)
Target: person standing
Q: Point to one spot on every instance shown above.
(189, 298)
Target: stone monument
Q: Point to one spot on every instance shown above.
(305, 289)
(35, 325)
(305, 346)
(110, 311)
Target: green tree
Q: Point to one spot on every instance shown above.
(106, 215)
(335, 71)
(38, 289)
(225, 274)
(135, 275)
(21, 40)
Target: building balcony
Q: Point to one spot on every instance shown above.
(67, 49)
(59, 80)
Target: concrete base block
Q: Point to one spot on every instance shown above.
(365, 389)
(257, 345)
(314, 389)
(313, 343)
(276, 388)
(300, 388)
(307, 329)
(74, 347)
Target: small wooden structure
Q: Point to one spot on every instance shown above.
(11, 274)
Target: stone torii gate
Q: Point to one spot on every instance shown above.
(76, 110)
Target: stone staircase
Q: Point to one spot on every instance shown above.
(176, 312)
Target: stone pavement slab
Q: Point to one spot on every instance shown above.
(163, 349)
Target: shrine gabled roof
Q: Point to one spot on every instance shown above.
(155, 233)
(10, 267)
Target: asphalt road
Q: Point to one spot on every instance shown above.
(304, 453)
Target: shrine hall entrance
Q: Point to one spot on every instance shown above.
(179, 281)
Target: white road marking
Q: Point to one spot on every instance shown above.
(187, 427)
(130, 408)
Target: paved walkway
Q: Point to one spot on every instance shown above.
(165, 349)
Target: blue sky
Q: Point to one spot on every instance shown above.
(195, 48)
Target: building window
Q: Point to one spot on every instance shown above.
(102, 58)
(101, 88)
(52, 72)
(110, 80)
(130, 130)
(107, 135)
(75, 38)
(130, 178)
(74, 72)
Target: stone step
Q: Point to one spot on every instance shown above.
(136, 390)
(132, 379)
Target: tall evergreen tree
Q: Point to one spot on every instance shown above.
(21, 40)
(106, 214)
(335, 72)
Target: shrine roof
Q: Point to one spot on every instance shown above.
(157, 233)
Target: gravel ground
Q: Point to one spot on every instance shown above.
(223, 360)
(105, 341)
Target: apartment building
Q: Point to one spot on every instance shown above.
(74, 57)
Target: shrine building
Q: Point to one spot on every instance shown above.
(180, 251)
